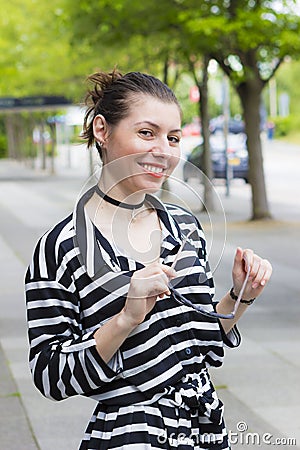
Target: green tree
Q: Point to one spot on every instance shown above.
(36, 52)
(254, 38)
(37, 58)
(248, 38)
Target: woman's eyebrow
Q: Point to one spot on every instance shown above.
(155, 125)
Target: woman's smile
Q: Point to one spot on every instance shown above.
(157, 171)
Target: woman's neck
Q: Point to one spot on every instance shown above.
(118, 192)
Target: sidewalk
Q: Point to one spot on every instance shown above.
(259, 382)
(14, 425)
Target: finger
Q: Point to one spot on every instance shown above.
(268, 273)
(255, 267)
(237, 263)
(165, 282)
(238, 255)
(241, 263)
(166, 292)
(163, 289)
(263, 274)
(157, 268)
(248, 258)
(257, 277)
(169, 271)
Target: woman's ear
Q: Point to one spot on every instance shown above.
(100, 129)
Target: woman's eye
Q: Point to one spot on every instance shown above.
(146, 133)
(174, 139)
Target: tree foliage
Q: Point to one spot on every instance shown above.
(65, 40)
(257, 36)
(248, 38)
(36, 53)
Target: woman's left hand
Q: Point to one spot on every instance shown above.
(260, 273)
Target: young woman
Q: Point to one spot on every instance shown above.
(120, 294)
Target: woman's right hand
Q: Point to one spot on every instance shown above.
(145, 286)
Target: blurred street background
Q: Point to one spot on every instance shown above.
(259, 381)
(234, 67)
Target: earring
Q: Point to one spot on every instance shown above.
(100, 143)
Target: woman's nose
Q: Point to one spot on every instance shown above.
(163, 148)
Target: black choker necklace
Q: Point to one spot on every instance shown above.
(115, 202)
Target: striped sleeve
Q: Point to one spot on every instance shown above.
(64, 361)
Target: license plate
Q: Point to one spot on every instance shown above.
(234, 161)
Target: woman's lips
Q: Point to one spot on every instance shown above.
(154, 170)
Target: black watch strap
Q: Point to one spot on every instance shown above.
(235, 297)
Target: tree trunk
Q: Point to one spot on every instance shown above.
(250, 95)
(166, 71)
(203, 109)
(10, 132)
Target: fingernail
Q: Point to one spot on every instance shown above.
(254, 285)
(263, 282)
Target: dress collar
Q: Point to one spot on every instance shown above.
(90, 254)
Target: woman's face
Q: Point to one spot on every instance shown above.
(143, 149)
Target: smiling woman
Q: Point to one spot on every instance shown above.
(105, 320)
(151, 147)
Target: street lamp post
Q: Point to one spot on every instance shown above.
(226, 115)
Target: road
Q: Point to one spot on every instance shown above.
(259, 382)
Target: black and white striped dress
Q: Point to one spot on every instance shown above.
(155, 392)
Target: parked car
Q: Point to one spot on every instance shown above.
(235, 125)
(236, 153)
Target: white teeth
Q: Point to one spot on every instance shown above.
(153, 168)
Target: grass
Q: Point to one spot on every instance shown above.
(293, 137)
(221, 386)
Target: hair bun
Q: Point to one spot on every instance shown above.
(101, 81)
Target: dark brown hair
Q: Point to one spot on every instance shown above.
(112, 95)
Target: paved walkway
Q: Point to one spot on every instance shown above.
(259, 382)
